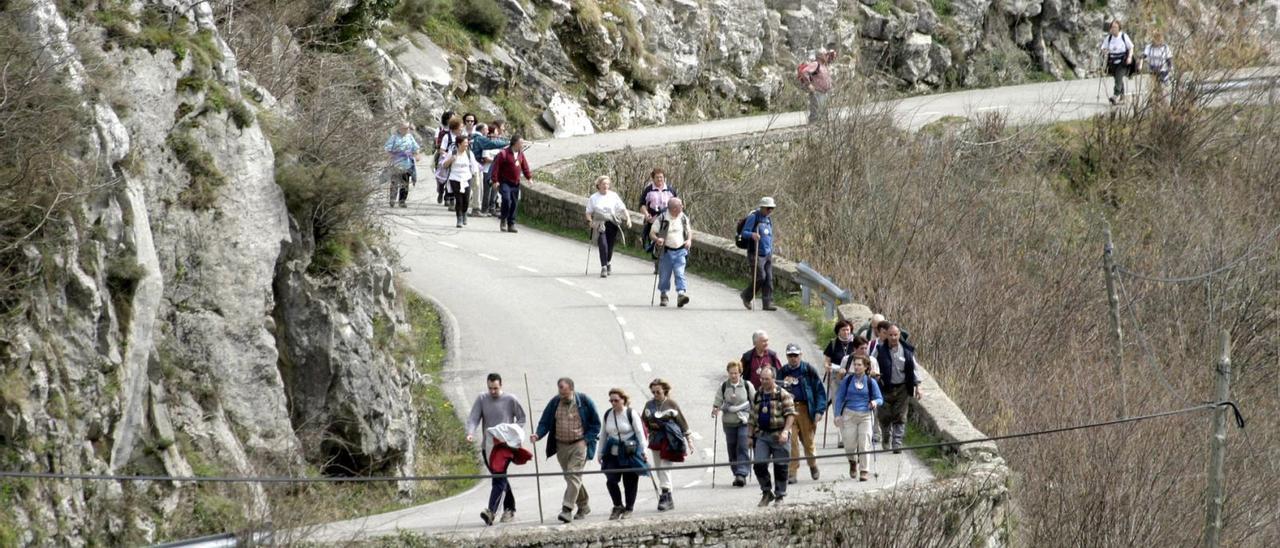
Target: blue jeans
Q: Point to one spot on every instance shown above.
(672, 261)
(510, 195)
(739, 444)
(768, 447)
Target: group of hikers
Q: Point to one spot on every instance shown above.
(769, 410)
(1121, 61)
(468, 156)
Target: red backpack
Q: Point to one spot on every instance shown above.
(806, 70)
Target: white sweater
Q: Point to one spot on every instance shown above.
(463, 168)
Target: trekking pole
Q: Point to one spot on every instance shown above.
(538, 478)
(715, 436)
(755, 267)
(826, 415)
(875, 461)
(586, 270)
(653, 294)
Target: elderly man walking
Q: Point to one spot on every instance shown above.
(772, 414)
(758, 228)
(491, 409)
(672, 239)
(897, 362)
(759, 357)
(816, 77)
(572, 421)
(803, 382)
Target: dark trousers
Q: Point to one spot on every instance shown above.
(764, 278)
(606, 241)
(460, 198)
(767, 448)
(510, 199)
(488, 198)
(1118, 72)
(399, 188)
(501, 492)
(738, 442)
(629, 482)
(892, 416)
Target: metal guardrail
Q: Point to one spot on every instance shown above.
(224, 540)
(812, 282)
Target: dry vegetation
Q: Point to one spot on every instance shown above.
(987, 242)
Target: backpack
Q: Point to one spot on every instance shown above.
(751, 391)
(803, 75)
(738, 240)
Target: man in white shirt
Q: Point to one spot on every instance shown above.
(672, 238)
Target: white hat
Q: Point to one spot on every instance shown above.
(767, 201)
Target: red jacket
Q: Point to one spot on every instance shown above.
(502, 456)
(508, 165)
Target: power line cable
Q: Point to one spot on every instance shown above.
(1240, 422)
(1248, 254)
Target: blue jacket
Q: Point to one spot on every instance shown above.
(481, 143)
(848, 396)
(813, 393)
(765, 224)
(886, 365)
(590, 423)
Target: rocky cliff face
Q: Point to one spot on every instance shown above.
(590, 65)
(176, 330)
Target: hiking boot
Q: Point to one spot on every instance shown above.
(853, 470)
(604, 272)
(768, 306)
(439, 198)
(664, 502)
(487, 516)
(566, 515)
(583, 510)
(464, 221)
(459, 225)
(512, 228)
(863, 476)
(626, 514)
(840, 445)
(765, 499)
(662, 301)
(402, 204)
(608, 269)
(813, 472)
(777, 501)
(616, 513)
(502, 226)
(508, 516)
(746, 303)
(792, 480)
(682, 300)
(739, 481)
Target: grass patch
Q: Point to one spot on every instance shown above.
(934, 457)
(202, 191)
(520, 118)
(883, 7)
(162, 30)
(941, 7)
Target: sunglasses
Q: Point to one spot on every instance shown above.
(614, 400)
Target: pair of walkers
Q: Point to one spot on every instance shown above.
(668, 233)
(574, 427)
(808, 396)
(1120, 62)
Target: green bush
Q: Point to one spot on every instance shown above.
(941, 7)
(205, 177)
(415, 13)
(485, 17)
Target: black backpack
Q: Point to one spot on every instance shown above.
(738, 240)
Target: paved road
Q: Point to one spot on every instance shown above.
(524, 306)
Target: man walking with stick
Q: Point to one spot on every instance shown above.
(489, 410)
(572, 421)
(758, 226)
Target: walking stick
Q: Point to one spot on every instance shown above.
(875, 461)
(715, 436)
(538, 472)
(586, 270)
(755, 266)
(826, 416)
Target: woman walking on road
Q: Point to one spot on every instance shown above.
(462, 167)
(621, 448)
(1119, 50)
(734, 401)
(668, 436)
(856, 400)
(605, 214)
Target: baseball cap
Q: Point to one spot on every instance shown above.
(793, 349)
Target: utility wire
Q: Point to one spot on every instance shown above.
(1248, 254)
(841, 454)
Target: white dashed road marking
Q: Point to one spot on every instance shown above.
(596, 295)
(629, 335)
(487, 256)
(635, 350)
(613, 308)
(645, 367)
(691, 484)
(527, 269)
(413, 232)
(622, 321)
(565, 282)
(997, 107)
(695, 436)
(448, 245)
(708, 454)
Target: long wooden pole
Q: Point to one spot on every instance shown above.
(538, 478)
(1117, 336)
(1218, 448)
